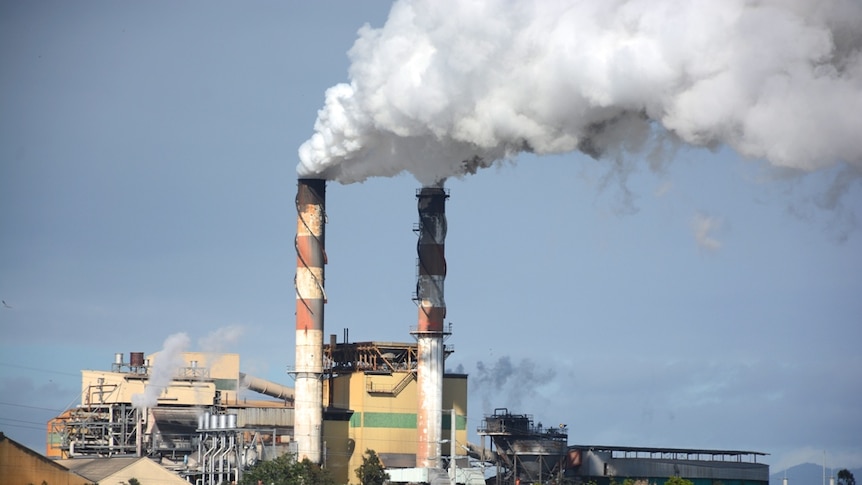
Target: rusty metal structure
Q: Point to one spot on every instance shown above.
(430, 332)
(369, 356)
(604, 465)
(526, 453)
(310, 299)
(104, 430)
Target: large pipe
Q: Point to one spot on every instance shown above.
(429, 333)
(310, 298)
(265, 387)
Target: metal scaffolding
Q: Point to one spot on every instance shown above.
(526, 453)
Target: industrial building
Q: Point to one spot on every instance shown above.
(202, 428)
(648, 466)
(191, 413)
(19, 464)
(371, 391)
(524, 452)
(183, 410)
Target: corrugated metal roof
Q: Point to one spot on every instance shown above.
(252, 417)
(96, 469)
(672, 451)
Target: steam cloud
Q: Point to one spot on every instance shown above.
(704, 226)
(217, 340)
(446, 87)
(163, 370)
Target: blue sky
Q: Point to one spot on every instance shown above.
(148, 159)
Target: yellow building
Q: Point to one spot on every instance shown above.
(193, 378)
(19, 464)
(370, 395)
(156, 405)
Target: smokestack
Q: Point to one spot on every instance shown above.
(310, 298)
(429, 333)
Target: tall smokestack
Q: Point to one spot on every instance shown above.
(429, 333)
(310, 298)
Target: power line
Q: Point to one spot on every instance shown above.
(23, 426)
(19, 421)
(38, 370)
(29, 407)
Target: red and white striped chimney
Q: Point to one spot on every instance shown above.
(429, 332)
(310, 298)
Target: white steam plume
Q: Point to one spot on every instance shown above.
(163, 370)
(704, 228)
(217, 340)
(446, 87)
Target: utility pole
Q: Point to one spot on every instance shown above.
(452, 444)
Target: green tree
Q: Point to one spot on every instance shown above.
(134, 481)
(285, 470)
(371, 471)
(678, 481)
(845, 477)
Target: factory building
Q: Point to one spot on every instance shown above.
(185, 410)
(523, 452)
(652, 466)
(201, 424)
(19, 464)
(191, 411)
(371, 392)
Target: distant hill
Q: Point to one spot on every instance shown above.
(809, 474)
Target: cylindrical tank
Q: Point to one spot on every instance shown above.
(222, 421)
(231, 421)
(203, 420)
(214, 421)
(118, 358)
(136, 359)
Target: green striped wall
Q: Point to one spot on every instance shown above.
(398, 420)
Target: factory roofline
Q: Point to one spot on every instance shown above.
(372, 356)
(675, 453)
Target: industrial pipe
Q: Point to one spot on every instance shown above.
(265, 387)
